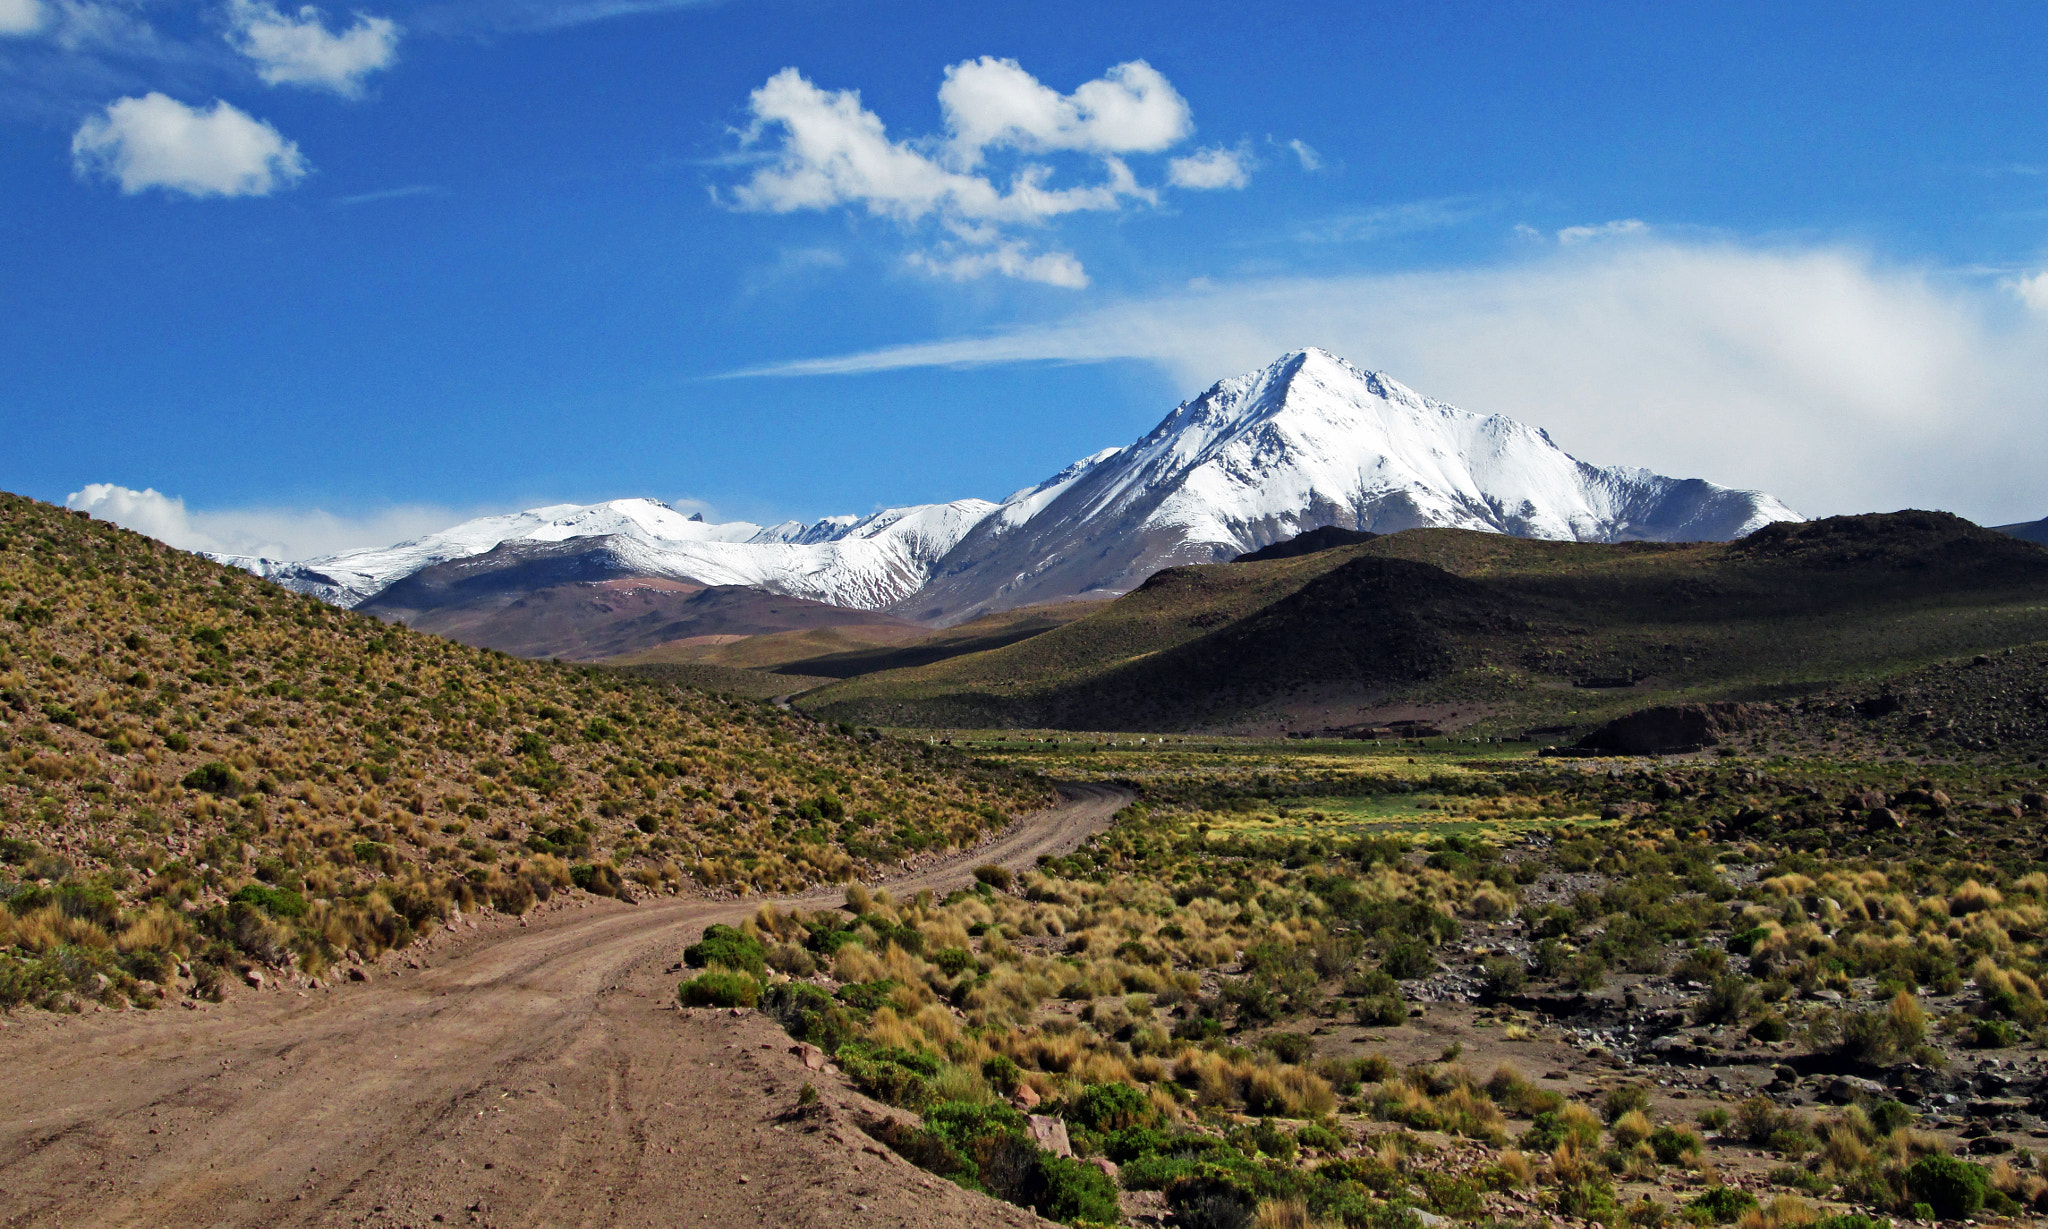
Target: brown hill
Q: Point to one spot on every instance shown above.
(579, 601)
(199, 766)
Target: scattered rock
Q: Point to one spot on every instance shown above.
(814, 1058)
(1026, 1098)
(355, 973)
(1104, 1164)
(254, 977)
(1049, 1133)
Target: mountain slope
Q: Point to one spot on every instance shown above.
(219, 771)
(1310, 441)
(1503, 631)
(2031, 531)
(580, 601)
(864, 563)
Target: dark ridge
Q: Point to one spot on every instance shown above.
(1329, 537)
(1372, 622)
(2027, 531)
(1911, 540)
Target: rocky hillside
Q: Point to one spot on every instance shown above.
(198, 765)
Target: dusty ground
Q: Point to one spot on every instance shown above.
(524, 1074)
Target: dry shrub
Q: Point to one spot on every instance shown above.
(1630, 1129)
(1283, 1214)
(1784, 1212)
(1517, 1168)
(158, 930)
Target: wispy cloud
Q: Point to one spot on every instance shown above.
(1406, 218)
(1605, 230)
(387, 194)
(272, 533)
(535, 16)
(1837, 382)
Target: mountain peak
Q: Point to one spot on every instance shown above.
(1308, 441)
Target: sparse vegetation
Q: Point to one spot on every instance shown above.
(201, 773)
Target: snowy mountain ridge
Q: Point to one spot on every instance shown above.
(1307, 441)
(862, 562)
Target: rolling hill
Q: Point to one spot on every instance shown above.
(1492, 633)
(200, 766)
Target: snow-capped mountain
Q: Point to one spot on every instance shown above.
(866, 562)
(1307, 442)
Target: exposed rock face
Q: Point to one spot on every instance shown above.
(1669, 729)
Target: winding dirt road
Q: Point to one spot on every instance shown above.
(530, 1075)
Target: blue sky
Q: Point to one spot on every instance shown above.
(331, 278)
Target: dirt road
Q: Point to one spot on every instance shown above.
(536, 1075)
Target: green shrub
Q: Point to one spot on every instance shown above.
(1503, 975)
(1288, 1047)
(1075, 1192)
(1382, 1011)
(1994, 1035)
(1850, 1220)
(277, 902)
(1674, 1144)
(866, 996)
(720, 988)
(1002, 1073)
(1623, 1099)
(725, 946)
(810, 1014)
(1406, 959)
(1723, 1204)
(1316, 1135)
(1953, 1188)
(1770, 1028)
(893, 1074)
(953, 961)
(213, 778)
(1887, 1116)
(600, 879)
(1110, 1107)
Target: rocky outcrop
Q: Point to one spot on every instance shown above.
(1669, 729)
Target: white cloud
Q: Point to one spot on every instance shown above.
(833, 152)
(300, 50)
(272, 533)
(1606, 230)
(1310, 159)
(1210, 169)
(1129, 109)
(2032, 290)
(1836, 382)
(19, 17)
(158, 142)
(1010, 260)
(837, 152)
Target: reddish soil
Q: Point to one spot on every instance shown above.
(527, 1072)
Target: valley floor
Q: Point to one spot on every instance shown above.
(518, 1072)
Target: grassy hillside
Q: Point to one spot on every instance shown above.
(843, 652)
(1494, 632)
(195, 764)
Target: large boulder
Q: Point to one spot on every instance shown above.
(1669, 729)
